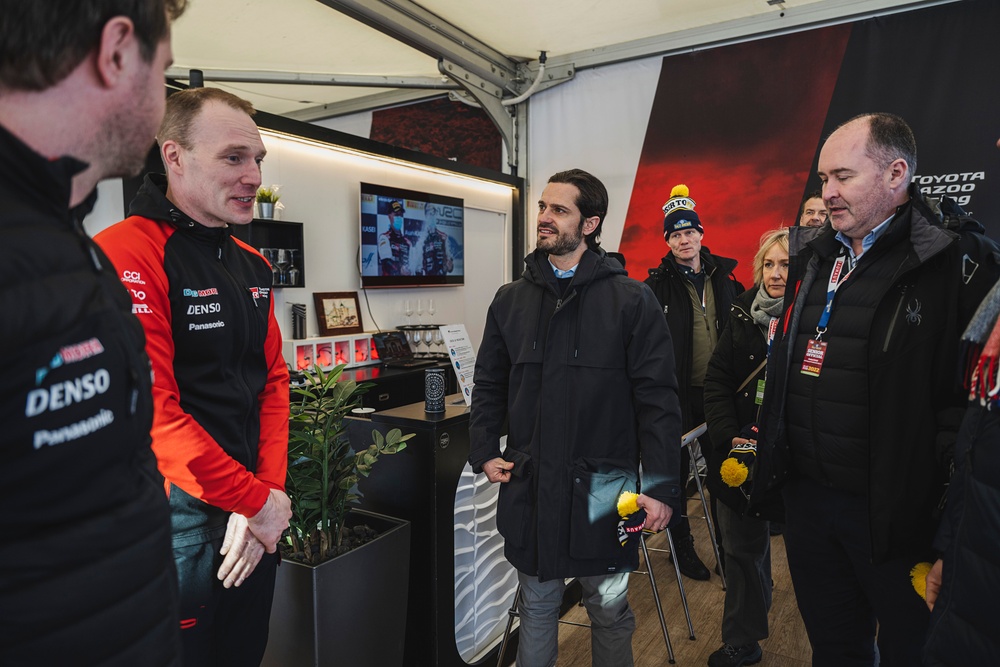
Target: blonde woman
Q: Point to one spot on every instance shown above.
(734, 387)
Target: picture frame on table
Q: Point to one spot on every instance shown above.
(338, 313)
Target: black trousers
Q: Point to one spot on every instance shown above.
(222, 627)
(842, 597)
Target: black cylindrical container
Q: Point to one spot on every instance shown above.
(434, 387)
(298, 321)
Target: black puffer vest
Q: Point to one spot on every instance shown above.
(832, 444)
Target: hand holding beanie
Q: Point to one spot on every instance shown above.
(633, 518)
(737, 468)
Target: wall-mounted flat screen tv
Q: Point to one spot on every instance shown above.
(410, 238)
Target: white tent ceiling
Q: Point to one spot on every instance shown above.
(385, 52)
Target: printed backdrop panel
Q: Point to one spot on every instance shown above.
(742, 125)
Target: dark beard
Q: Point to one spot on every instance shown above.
(562, 243)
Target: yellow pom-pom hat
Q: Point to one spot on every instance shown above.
(679, 212)
(918, 577)
(733, 472)
(628, 504)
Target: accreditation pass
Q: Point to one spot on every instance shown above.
(812, 362)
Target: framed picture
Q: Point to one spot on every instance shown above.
(338, 313)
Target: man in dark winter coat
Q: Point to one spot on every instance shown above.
(576, 358)
(695, 289)
(85, 571)
(862, 404)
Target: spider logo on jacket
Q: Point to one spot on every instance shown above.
(913, 312)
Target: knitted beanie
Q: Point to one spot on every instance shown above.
(679, 212)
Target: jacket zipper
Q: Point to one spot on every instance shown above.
(251, 330)
(892, 322)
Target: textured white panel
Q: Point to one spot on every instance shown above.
(484, 581)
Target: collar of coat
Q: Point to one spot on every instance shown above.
(593, 266)
(30, 182)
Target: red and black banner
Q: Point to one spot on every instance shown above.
(742, 125)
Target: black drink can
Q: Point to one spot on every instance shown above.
(434, 387)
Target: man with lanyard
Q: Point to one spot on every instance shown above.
(696, 290)
(862, 402)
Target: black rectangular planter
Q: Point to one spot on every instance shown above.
(348, 611)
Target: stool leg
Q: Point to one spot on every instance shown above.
(511, 615)
(656, 598)
(680, 584)
(708, 516)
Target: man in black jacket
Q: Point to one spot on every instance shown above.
(862, 401)
(695, 289)
(576, 358)
(85, 571)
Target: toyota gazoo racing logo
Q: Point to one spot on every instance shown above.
(70, 354)
(260, 292)
(132, 277)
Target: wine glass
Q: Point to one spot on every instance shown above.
(420, 309)
(408, 311)
(293, 271)
(430, 309)
(429, 339)
(439, 341)
(418, 340)
(270, 254)
(284, 259)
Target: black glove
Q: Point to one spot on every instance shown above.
(738, 467)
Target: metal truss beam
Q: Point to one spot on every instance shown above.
(488, 97)
(317, 79)
(428, 33)
(359, 104)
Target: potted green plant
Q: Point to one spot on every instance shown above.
(266, 199)
(343, 570)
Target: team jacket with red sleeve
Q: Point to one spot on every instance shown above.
(220, 385)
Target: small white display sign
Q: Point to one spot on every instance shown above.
(462, 355)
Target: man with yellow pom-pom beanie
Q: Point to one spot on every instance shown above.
(695, 289)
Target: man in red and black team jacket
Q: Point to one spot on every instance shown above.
(220, 385)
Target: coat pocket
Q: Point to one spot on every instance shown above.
(517, 500)
(597, 483)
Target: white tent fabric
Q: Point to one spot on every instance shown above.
(597, 122)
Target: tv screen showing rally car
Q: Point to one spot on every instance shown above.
(410, 238)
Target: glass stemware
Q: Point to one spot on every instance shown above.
(418, 340)
(270, 254)
(430, 309)
(408, 311)
(420, 310)
(293, 271)
(439, 341)
(284, 259)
